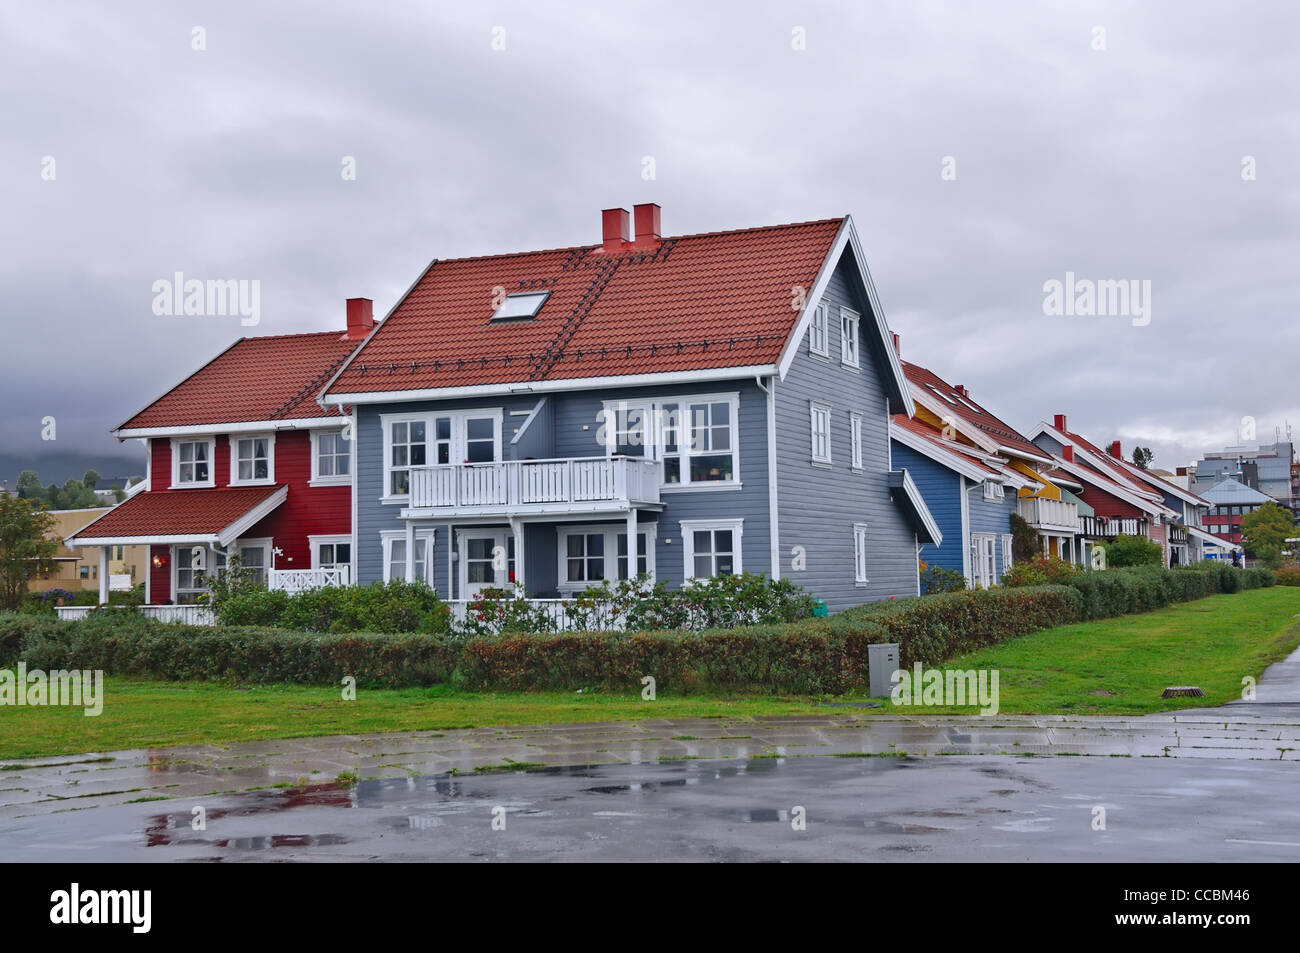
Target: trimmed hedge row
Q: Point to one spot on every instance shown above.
(144, 647)
(811, 656)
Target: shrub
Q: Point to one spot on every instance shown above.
(1039, 571)
(1133, 551)
(1287, 576)
(377, 607)
(936, 579)
(119, 644)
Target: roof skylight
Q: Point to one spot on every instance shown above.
(521, 307)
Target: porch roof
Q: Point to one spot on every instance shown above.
(910, 499)
(217, 516)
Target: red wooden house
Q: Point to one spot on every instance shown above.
(244, 462)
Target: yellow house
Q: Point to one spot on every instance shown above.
(79, 568)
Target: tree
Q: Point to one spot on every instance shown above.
(1265, 532)
(25, 550)
(29, 485)
(1024, 541)
(1133, 551)
(1142, 457)
(90, 478)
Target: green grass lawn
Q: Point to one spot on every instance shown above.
(1118, 666)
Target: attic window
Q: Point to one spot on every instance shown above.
(521, 307)
(941, 394)
(968, 404)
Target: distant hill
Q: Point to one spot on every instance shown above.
(59, 466)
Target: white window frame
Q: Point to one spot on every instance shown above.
(860, 554)
(850, 338)
(315, 542)
(211, 481)
(855, 441)
(819, 411)
(333, 480)
(977, 580)
(819, 330)
(1007, 547)
(423, 536)
(690, 527)
(235, 439)
(993, 491)
(266, 544)
(657, 424)
(458, 440)
(611, 532)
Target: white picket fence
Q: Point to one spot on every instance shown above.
(189, 615)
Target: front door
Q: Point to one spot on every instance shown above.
(487, 561)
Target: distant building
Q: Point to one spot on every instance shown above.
(1270, 469)
(1230, 501)
(79, 569)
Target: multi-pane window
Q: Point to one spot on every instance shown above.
(1006, 551)
(993, 490)
(480, 440)
(711, 447)
(333, 455)
(821, 433)
(252, 560)
(855, 441)
(194, 460)
(191, 574)
(334, 555)
(670, 428)
(712, 550)
(585, 557)
(397, 559)
(849, 337)
(860, 552)
(252, 459)
(631, 435)
(818, 333)
(482, 558)
(642, 563)
(407, 448)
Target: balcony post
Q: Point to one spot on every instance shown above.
(103, 575)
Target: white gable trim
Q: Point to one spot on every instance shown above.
(928, 449)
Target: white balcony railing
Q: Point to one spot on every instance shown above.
(296, 580)
(1050, 514)
(190, 615)
(535, 484)
(1099, 526)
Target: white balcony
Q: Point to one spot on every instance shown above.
(296, 580)
(1050, 515)
(518, 487)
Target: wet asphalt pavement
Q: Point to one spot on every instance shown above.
(1218, 784)
(855, 809)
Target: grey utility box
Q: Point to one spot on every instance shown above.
(882, 663)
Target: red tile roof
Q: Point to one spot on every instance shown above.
(255, 379)
(693, 302)
(194, 513)
(979, 417)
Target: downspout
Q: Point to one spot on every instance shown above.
(773, 526)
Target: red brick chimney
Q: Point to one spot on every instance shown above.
(361, 319)
(646, 219)
(898, 345)
(961, 390)
(613, 230)
(1059, 423)
(1067, 452)
(1115, 450)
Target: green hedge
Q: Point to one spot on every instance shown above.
(811, 656)
(120, 645)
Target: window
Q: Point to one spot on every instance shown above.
(821, 433)
(693, 437)
(407, 449)
(332, 462)
(981, 560)
(711, 548)
(590, 555)
(254, 559)
(860, 553)
(1006, 551)
(521, 307)
(818, 333)
(481, 556)
(439, 440)
(855, 441)
(848, 337)
(191, 568)
(993, 490)
(250, 459)
(192, 463)
(394, 542)
(331, 552)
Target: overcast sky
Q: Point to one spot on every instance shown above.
(1107, 140)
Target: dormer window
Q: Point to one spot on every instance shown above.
(521, 307)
